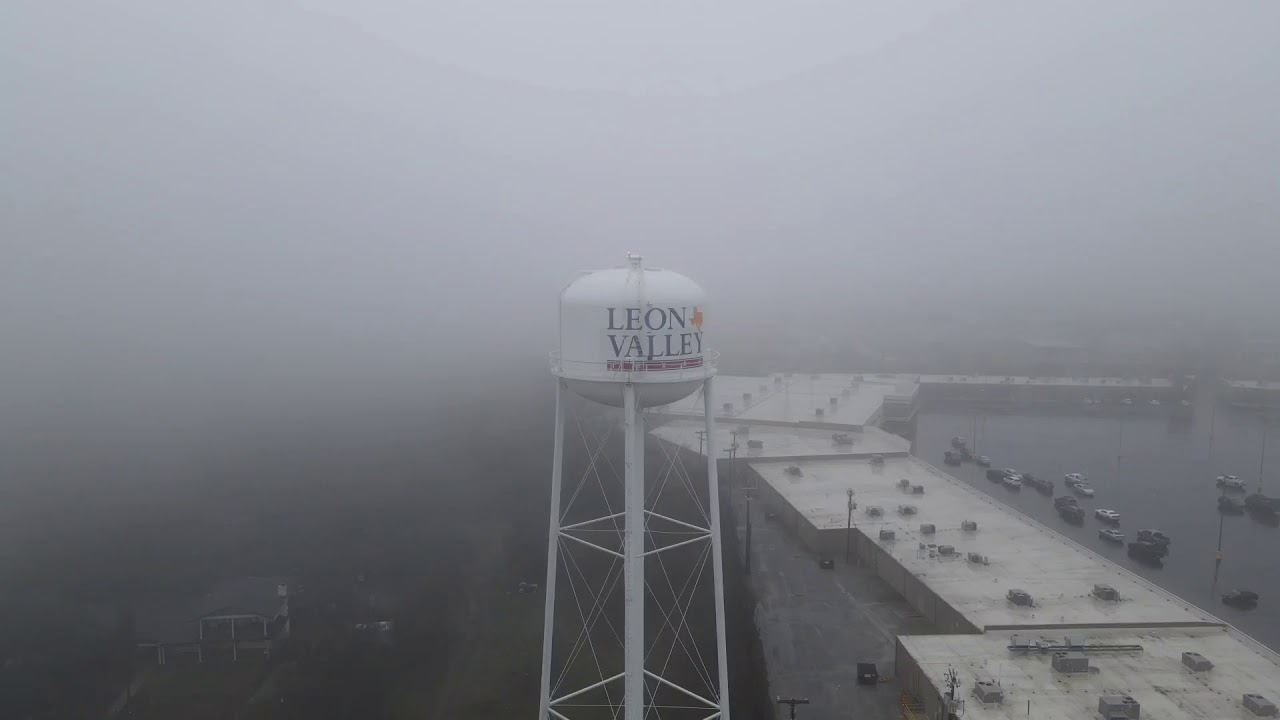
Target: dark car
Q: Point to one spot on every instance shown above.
(1240, 598)
(951, 458)
(996, 475)
(1071, 513)
(867, 674)
(1065, 500)
(1230, 506)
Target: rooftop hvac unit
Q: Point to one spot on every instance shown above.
(1073, 662)
(777, 379)
(728, 407)
(1018, 641)
(1196, 661)
(906, 509)
(1106, 592)
(755, 444)
(917, 489)
(1118, 707)
(1259, 705)
(744, 429)
(842, 439)
(1075, 641)
(904, 483)
(794, 470)
(887, 535)
(979, 558)
(947, 550)
(1019, 597)
(877, 459)
(746, 398)
(927, 529)
(969, 526)
(874, 511)
(818, 412)
(988, 692)
(833, 402)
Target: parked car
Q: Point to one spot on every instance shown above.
(1154, 536)
(1230, 505)
(1105, 515)
(1071, 513)
(1082, 489)
(983, 460)
(1013, 482)
(1063, 500)
(1240, 598)
(1229, 482)
(1111, 535)
(1071, 479)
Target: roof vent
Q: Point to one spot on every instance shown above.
(887, 535)
(1073, 662)
(818, 412)
(755, 444)
(794, 470)
(1259, 705)
(874, 511)
(969, 526)
(988, 692)
(1196, 661)
(927, 529)
(1117, 707)
(728, 407)
(1106, 592)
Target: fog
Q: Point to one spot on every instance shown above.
(232, 226)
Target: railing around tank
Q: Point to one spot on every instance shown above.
(658, 369)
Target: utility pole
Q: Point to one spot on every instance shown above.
(702, 436)
(733, 456)
(1262, 457)
(848, 528)
(793, 702)
(748, 543)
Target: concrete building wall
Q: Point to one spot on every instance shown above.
(914, 681)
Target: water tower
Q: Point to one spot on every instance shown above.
(632, 337)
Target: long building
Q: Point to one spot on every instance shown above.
(1095, 640)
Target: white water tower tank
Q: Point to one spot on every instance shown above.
(633, 324)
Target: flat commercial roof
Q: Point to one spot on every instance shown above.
(1254, 384)
(782, 442)
(1099, 382)
(1021, 553)
(1154, 676)
(794, 399)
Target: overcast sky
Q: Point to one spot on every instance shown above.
(264, 190)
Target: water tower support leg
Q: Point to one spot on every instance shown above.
(717, 556)
(553, 545)
(633, 562)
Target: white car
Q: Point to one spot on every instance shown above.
(1012, 481)
(1082, 489)
(1073, 478)
(1230, 482)
(1107, 515)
